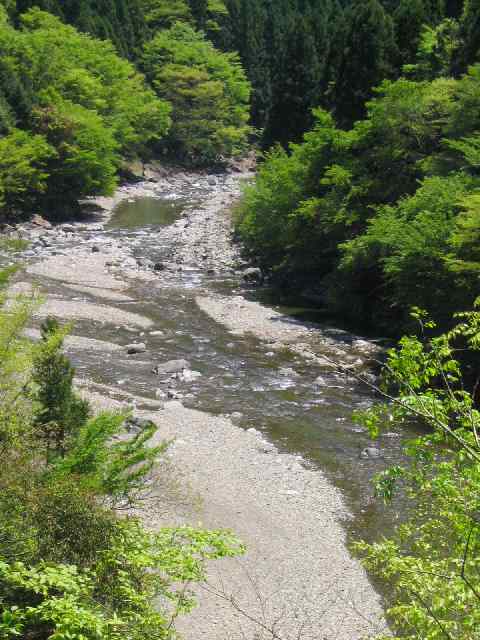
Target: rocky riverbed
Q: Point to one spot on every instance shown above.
(164, 324)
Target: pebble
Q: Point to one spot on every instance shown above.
(172, 366)
(370, 453)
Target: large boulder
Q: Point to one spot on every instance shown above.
(370, 453)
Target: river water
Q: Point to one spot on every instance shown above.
(274, 390)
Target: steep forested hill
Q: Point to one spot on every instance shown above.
(301, 54)
(74, 110)
(120, 21)
(377, 209)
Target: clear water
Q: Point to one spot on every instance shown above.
(240, 373)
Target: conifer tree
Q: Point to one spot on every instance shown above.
(470, 34)
(409, 18)
(368, 58)
(199, 9)
(61, 412)
(296, 86)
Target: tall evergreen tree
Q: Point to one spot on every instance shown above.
(296, 86)
(470, 34)
(199, 9)
(121, 21)
(409, 18)
(368, 58)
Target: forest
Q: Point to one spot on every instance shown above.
(365, 116)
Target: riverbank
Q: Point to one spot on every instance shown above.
(297, 572)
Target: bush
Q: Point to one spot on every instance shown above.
(433, 560)
(82, 108)
(24, 159)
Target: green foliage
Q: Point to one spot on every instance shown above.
(432, 561)
(16, 356)
(409, 18)
(23, 170)
(371, 49)
(162, 14)
(86, 159)
(109, 461)
(381, 217)
(208, 92)
(120, 21)
(14, 244)
(133, 591)
(61, 413)
(411, 243)
(83, 109)
(437, 49)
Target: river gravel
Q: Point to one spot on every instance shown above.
(297, 575)
(79, 310)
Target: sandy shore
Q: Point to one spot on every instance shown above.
(297, 574)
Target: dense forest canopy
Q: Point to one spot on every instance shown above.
(385, 94)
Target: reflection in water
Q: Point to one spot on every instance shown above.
(146, 212)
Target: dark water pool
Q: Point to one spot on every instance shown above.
(147, 212)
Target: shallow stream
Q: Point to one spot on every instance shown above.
(274, 390)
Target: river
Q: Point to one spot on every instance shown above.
(299, 405)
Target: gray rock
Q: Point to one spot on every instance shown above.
(212, 181)
(287, 371)
(159, 266)
(138, 347)
(236, 418)
(145, 262)
(189, 376)
(252, 274)
(137, 424)
(370, 453)
(172, 366)
(95, 249)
